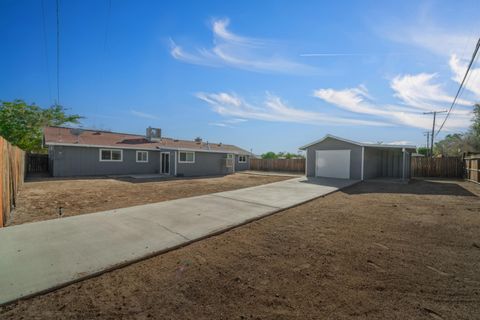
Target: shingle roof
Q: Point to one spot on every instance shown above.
(98, 138)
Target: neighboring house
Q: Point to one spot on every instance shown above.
(79, 152)
(336, 157)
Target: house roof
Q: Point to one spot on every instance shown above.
(63, 136)
(362, 144)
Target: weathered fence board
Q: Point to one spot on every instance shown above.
(446, 167)
(290, 165)
(472, 168)
(12, 171)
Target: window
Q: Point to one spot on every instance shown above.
(142, 156)
(229, 156)
(186, 157)
(242, 159)
(111, 155)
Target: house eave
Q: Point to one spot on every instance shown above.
(156, 148)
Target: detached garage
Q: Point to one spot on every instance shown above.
(335, 157)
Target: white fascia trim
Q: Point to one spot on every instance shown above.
(202, 150)
(136, 148)
(395, 146)
(96, 146)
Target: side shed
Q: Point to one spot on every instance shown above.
(335, 157)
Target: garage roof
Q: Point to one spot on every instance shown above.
(362, 144)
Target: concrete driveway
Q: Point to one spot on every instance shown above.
(41, 256)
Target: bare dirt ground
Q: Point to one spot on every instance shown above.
(371, 251)
(40, 200)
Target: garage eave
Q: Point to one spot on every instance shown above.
(368, 145)
(332, 137)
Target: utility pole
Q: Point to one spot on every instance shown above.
(433, 128)
(427, 134)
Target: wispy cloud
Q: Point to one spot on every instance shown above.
(144, 115)
(340, 54)
(273, 108)
(424, 31)
(228, 123)
(333, 54)
(416, 94)
(235, 120)
(436, 40)
(232, 50)
(458, 68)
(219, 124)
(421, 92)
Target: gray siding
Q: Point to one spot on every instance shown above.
(239, 166)
(206, 164)
(333, 144)
(408, 166)
(51, 155)
(84, 161)
(385, 163)
(372, 163)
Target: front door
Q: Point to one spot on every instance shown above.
(165, 163)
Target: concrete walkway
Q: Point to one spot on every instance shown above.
(41, 256)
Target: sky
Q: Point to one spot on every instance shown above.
(263, 75)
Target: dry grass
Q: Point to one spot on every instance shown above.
(372, 251)
(40, 200)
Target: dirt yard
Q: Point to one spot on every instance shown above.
(41, 200)
(371, 251)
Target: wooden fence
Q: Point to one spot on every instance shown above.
(290, 165)
(12, 171)
(446, 167)
(472, 168)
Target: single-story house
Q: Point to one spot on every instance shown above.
(80, 152)
(335, 157)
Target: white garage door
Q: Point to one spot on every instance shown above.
(332, 164)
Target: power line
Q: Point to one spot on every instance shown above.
(46, 51)
(433, 128)
(58, 52)
(474, 55)
(427, 134)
